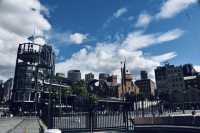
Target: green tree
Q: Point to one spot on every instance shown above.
(67, 91)
(93, 99)
(79, 88)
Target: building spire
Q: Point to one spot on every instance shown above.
(123, 75)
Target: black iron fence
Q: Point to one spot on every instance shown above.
(93, 121)
(109, 115)
(93, 117)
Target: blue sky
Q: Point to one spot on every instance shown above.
(97, 19)
(90, 16)
(95, 35)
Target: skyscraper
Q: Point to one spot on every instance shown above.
(89, 77)
(143, 75)
(74, 75)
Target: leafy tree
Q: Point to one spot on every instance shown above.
(79, 88)
(93, 99)
(67, 91)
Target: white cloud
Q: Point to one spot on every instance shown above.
(18, 20)
(172, 7)
(197, 68)
(106, 57)
(166, 56)
(116, 15)
(170, 35)
(77, 38)
(169, 9)
(67, 38)
(120, 12)
(138, 40)
(143, 20)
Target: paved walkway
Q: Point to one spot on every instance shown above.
(19, 125)
(7, 124)
(28, 125)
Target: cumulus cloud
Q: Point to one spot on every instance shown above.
(67, 37)
(120, 12)
(106, 57)
(77, 38)
(18, 20)
(197, 68)
(143, 20)
(172, 7)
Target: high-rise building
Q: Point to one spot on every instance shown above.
(146, 86)
(89, 77)
(103, 76)
(192, 85)
(74, 75)
(143, 75)
(170, 81)
(103, 84)
(35, 64)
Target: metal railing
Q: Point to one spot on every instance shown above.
(121, 116)
(92, 119)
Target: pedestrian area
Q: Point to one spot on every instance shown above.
(20, 125)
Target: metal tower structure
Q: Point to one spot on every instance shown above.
(35, 64)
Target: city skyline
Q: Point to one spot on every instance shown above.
(93, 40)
(99, 66)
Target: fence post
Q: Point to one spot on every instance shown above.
(91, 121)
(50, 113)
(91, 115)
(125, 109)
